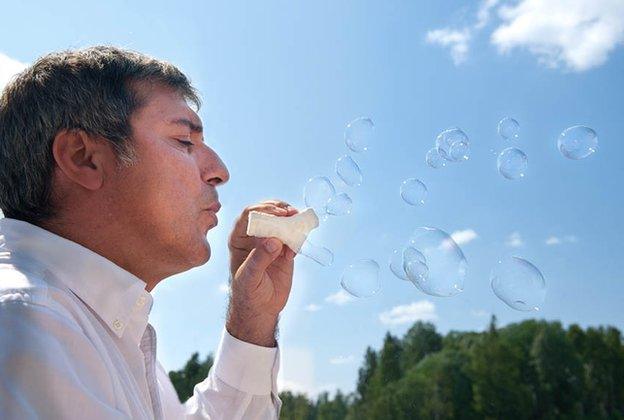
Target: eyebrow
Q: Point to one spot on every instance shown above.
(195, 128)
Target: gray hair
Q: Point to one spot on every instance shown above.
(94, 90)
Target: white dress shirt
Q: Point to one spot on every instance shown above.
(75, 343)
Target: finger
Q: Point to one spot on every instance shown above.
(260, 258)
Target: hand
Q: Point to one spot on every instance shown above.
(261, 271)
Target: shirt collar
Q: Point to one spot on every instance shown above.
(118, 297)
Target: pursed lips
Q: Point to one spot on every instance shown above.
(213, 209)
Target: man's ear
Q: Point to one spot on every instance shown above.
(80, 157)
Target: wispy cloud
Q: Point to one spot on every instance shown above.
(423, 310)
(9, 67)
(224, 288)
(555, 240)
(342, 360)
(577, 34)
(457, 41)
(514, 240)
(312, 307)
(479, 313)
(462, 237)
(574, 34)
(341, 297)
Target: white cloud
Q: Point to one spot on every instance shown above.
(423, 310)
(483, 15)
(577, 34)
(342, 360)
(312, 307)
(555, 240)
(462, 237)
(224, 288)
(480, 313)
(9, 68)
(514, 240)
(341, 297)
(456, 40)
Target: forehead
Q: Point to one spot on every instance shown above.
(163, 105)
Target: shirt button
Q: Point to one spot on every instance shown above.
(140, 301)
(118, 324)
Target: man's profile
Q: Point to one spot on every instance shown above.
(108, 188)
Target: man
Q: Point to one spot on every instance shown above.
(108, 188)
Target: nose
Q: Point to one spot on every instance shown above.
(214, 170)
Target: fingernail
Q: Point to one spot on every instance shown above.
(271, 245)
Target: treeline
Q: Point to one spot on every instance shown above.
(530, 370)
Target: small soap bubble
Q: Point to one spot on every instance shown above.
(512, 163)
(413, 192)
(320, 254)
(349, 171)
(453, 145)
(361, 278)
(359, 134)
(443, 271)
(434, 160)
(417, 272)
(317, 192)
(339, 205)
(508, 128)
(577, 142)
(401, 258)
(518, 283)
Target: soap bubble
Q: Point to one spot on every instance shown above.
(512, 163)
(401, 258)
(508, 128)
(417, 272)
(413, 192)
(361, 278)
(445, 263)
(518, 283)
(317, 192)
(339, 204)
(577, 142)
(359, 134)
(453, 145)
(349, 171)
(434, 159)
(320, 254)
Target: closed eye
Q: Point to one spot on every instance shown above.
(185, 142)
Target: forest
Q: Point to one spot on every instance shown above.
(529, 370)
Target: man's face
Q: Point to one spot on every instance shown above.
(168, 199)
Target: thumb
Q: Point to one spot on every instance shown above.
(261, 257)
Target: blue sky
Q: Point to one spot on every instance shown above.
(281, 79)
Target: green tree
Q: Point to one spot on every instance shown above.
(420, 340)
(559, 372)
(296, 407)
(192, 373)
(498, 391)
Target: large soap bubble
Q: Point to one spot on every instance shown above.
(361, 278)
(453, 145)
(508, 128)
(577, 142)
(349, 171)
(317, 193)
(445, 263)
(512, 163)
(518, 283)
(359, 134)
(413, 192)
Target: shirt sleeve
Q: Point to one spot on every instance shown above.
(242, 384)
(49, 369)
